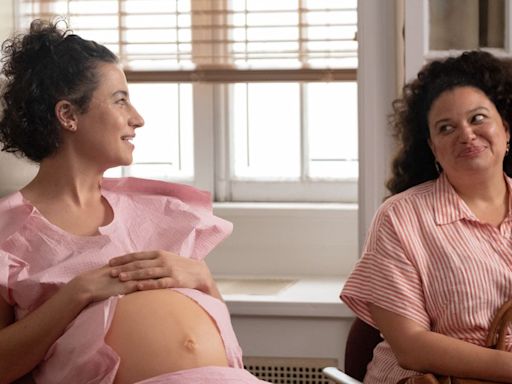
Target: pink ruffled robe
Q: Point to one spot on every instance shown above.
(36, 257)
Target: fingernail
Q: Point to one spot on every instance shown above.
(122, 275)
(114, 272)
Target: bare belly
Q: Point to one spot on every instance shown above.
(161, 331)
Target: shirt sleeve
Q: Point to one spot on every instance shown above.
(386, 274)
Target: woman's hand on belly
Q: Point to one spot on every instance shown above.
(161, 331)
(99, 284)
(162, 269)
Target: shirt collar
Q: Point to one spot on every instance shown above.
(449, 206)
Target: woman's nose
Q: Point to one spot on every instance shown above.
(467, 132)
(136, 120)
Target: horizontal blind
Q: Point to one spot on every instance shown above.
(215, 40)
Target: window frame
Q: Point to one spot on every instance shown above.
(417, 51)
(213, 126)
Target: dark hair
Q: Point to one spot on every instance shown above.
(414, 162)
(42, 67)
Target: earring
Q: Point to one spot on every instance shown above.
(508, 148)
(438, 167)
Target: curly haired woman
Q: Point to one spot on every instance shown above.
(101, 281)
(437, 263)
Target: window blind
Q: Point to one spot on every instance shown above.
(215, 40)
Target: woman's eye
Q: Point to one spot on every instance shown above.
(445, 128)
(478, 118)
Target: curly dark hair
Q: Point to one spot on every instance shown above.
(414, 162)
(42, 67)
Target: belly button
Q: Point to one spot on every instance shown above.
(190, 345)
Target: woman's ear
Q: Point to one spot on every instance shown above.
(66, 115)
(432, 148)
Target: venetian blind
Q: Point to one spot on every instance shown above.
(215, 40)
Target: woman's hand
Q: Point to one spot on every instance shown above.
(419, 349)
(100, 284)
(162, 269)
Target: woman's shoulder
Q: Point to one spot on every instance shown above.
(138, 187)
(419, 194)
(13, 213)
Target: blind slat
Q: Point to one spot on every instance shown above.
(215, 33)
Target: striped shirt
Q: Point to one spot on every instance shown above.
(428, 258)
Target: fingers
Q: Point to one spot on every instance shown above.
(131, 257)
(160, 269)
(140, 273)
(165, 282)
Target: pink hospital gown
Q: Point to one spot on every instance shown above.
(37, 257)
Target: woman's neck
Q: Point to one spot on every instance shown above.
(487, 198)
(56, 178)
(486, 188)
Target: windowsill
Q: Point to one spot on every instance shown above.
(265, 207)
(305, 297)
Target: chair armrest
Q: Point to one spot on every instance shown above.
(337, 376)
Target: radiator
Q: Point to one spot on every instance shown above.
(279, 370)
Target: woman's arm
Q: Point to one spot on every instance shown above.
(422, 350)
(162, 269)
(24, 343)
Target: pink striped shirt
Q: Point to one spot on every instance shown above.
(428, 258)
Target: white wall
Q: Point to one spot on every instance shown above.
(14, 173)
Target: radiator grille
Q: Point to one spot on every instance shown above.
(279, 370)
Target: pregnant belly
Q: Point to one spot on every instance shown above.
(161, 331)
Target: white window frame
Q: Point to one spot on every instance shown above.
(213, 147)
(417, 37)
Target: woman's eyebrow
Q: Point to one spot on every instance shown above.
(478, 109)
(121, 92)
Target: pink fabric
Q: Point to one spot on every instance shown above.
(205, 375)
(36, 257)
(428, 258)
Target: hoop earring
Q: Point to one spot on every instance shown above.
(438, 167)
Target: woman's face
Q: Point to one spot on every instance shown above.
(467, 134)
(104, 132)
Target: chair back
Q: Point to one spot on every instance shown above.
(361, 341)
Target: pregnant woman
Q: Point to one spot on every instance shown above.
(101, 281)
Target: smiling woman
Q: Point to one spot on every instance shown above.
(468, 134)
(104, 131)
(120, 261)
(436, 264)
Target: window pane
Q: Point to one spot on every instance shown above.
(164, 145)
(466, 24)
(332, 129)
(266, 130)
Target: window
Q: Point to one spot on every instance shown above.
(254, 100)
(438, 28)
